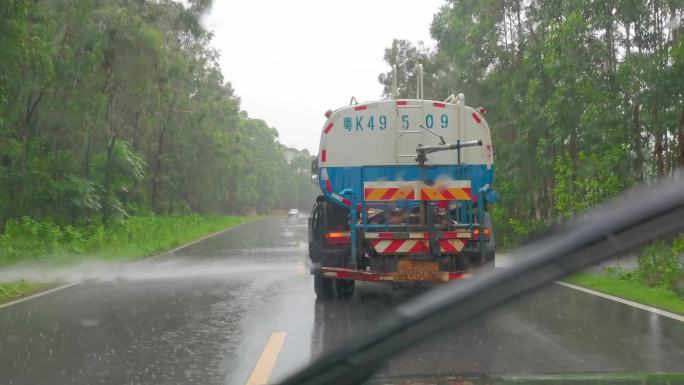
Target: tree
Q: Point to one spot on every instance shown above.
(584, 97)
(116, 108)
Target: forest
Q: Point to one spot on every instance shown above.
(115, 109)
(585, 98)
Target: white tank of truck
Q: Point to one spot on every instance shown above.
(387, 132)
(405, 190)
(381, 138)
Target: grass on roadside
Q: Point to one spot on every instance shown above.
(32, 241)
(136, 240)
(137, 237)
(630, 289)
(13, 290)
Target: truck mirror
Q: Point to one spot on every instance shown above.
(314, 170)
(314, 165)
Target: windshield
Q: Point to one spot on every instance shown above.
(230, 191)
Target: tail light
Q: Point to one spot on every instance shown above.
(476, 233)
(337, 238)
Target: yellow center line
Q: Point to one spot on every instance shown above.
(264, 366)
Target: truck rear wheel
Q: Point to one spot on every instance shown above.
(344, 288)
(323, 287)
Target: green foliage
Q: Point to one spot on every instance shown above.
(678, 245)
(631, 289)
(587, 182)
(659, 265)
(585, 98)
(32, 237)
(119, 108)
(31, 240)
(407, 58)
(16, 289)
(79, 196)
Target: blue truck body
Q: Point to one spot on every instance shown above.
(388, 210)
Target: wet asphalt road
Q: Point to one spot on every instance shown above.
(204, 314)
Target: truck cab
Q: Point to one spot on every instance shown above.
(406, 186)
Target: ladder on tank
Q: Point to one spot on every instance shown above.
(401, 155)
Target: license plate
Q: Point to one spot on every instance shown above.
(410, 270)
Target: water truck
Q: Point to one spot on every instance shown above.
(406, 186)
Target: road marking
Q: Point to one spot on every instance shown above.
(624, 301)
(70, 284)
(192, 243)
(264, 366)
(40, 294)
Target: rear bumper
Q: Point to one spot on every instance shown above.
(361, 275)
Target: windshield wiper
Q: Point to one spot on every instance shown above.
(635, 219)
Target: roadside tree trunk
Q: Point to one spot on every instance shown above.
(157, 170)
(659, 148)
(680, 138)
(636, 142)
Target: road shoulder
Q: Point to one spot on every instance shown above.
(629, 290)
(22, 290)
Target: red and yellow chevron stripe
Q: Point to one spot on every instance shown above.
(405, 246)
(445, 193)
(422, 235)
(451, 246)
(388, 192)
(396, 246)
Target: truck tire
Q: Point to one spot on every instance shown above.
(317, 223)
(323, 287)
(344, 288)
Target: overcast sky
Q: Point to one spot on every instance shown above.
(290, 61)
